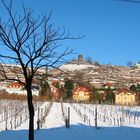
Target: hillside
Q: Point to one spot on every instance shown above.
(119, 76)
(96, 74)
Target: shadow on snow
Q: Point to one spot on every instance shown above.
(75, 132)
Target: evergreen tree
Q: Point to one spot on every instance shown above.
(69, 87)
(62, 93)
(45, 89)
(133, 88)
(57, 85)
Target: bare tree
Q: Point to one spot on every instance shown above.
(30, 43)
(89, 60)
(130, 64)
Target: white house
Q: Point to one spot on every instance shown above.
(19, 88)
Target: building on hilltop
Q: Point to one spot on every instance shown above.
(80, 59)
(137, 65)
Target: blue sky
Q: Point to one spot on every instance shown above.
(111, 27)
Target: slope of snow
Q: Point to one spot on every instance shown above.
(72, 67)
(54, 128)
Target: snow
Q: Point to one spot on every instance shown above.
(82, 123)
(73, 67)
(76, 132)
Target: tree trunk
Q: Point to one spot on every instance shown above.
(31, 113)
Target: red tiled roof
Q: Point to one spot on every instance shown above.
(125, 91)
(108, 84)
(79, 89)
(15, 84)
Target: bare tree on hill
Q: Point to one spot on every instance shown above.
(89, 60)
(31, 43)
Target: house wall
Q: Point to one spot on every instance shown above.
(21, 92)
(126, 99)
(81, 96)
(55, 92)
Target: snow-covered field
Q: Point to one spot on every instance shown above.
(113, 122)
(73, 67)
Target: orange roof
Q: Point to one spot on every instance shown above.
(125, 91)
(79, 89)
(108, 84)
(15, 84)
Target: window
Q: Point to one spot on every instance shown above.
(125, 98)
(132, 98)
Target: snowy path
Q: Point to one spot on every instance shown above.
(54, 118)
(75, 119)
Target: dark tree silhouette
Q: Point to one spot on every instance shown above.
(30, 44)
(130, 64)
(69, 85)
(89, 60)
